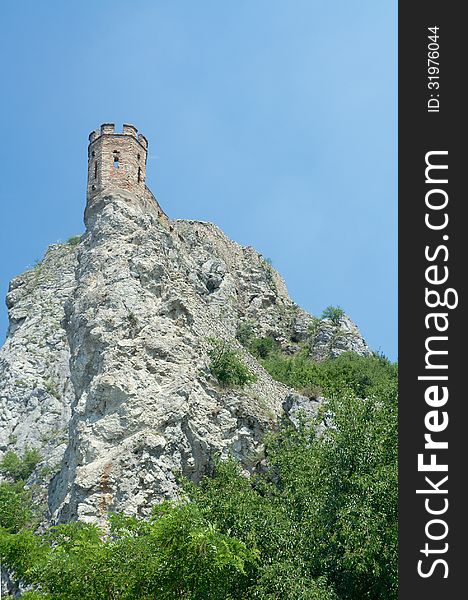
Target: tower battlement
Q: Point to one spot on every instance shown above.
(127, 129)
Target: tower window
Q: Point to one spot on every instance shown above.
(116, 161)
(93, 154)
(139, 174)
(95, 170)
(138, 156)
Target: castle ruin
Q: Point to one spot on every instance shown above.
(117, 163)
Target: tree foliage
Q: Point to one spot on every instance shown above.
(324, 517)
(177, 553)
(17, 510)
(334, 313)
(16, 506)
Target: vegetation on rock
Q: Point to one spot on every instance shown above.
(319, 523)
(334, 313)
(19, 468)
(364, 375)
(226, 365)
(74, 240)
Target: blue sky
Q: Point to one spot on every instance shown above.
(274, 119)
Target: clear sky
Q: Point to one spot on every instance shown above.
(274, 119)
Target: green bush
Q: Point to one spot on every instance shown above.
(362, 375)
(227, 367)
(74, 240)
(16, 506)
(245, 333)
(262, 347)
(19, 468)
(177, 553)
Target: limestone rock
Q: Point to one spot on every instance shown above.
(330, 339)
(106, 370)
(35, 388)
(298, 407)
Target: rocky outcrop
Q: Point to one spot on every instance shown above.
(35, 389)
(106, 367)
(330, 339)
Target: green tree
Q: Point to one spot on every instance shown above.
(334, 313)
(178, 553)
(341, 489)
(324, 515)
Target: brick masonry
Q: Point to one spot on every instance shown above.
(117, 162)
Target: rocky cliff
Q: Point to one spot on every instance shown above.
(105, 368)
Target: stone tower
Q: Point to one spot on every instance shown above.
(117, 166)
(117, 161)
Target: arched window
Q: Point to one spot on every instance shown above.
(95, 169)
(139, 174)
(116, 161)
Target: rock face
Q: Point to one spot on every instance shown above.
(36, 393)
(106, 371)
(146, 302)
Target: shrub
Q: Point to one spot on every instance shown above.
(227, 367)
(74, 240)
(17, 468)
(263, 347)
(16, 508)
(362, 375)
(245, 333)
(334, 313)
